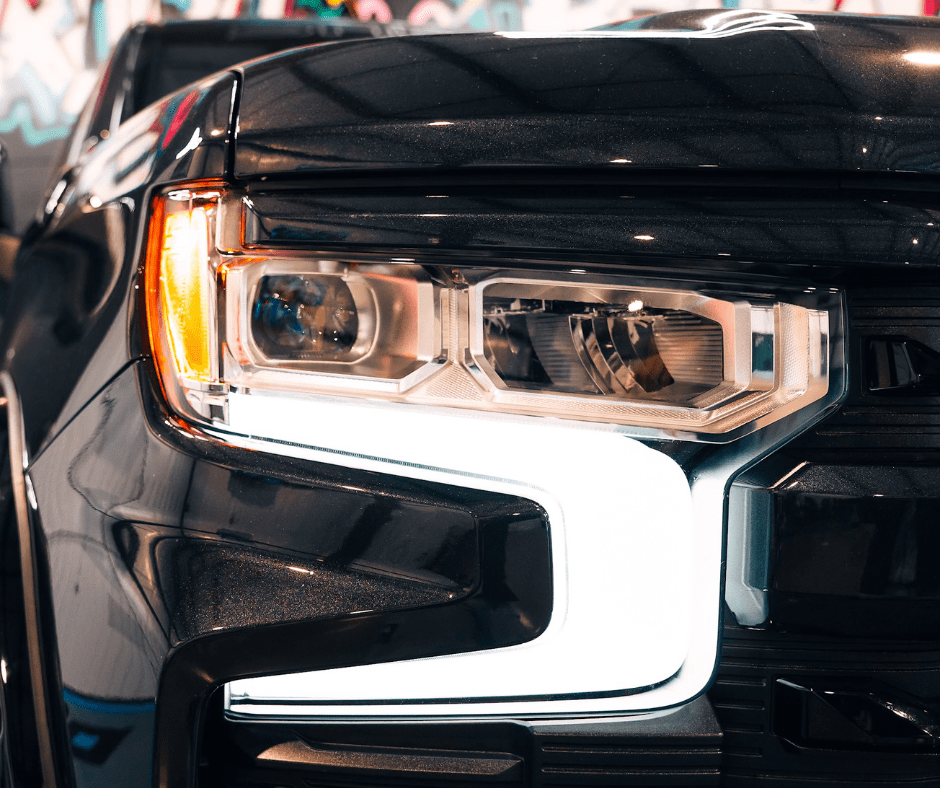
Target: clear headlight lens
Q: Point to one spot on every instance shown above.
(657, 356)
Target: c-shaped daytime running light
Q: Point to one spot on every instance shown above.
(419, 369)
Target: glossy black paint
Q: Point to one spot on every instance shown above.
(115, 475)
(172, 55)
(102, 113)
(803, 224)
(432, 542)
(231, 564)
(836, 95)
(71, 300)
(152, 61)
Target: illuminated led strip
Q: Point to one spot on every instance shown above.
(637, 578)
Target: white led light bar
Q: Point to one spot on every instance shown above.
(628, 612)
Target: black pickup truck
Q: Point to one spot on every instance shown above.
(511, 409)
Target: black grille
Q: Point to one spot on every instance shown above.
(681, 749)
(853, 593)
(879, 423)
(745, 697)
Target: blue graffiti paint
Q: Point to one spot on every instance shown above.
(479, 19)
(99, 25)
(506, 15)
(33, 107)
(66, 21)
(630, 24)
(729, 3)
(321, 8)
(20, 117)
(179, 5)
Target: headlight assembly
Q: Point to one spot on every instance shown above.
(658, 356)
(441, 372)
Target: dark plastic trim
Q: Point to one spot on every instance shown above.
(37, 668)
(881, 183)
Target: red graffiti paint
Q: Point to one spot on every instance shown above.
(179, 116)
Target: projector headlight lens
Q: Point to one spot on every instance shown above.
(305, 318)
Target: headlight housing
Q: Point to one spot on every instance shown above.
(675, 357)
(429, 369)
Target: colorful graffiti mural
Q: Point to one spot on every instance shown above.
(50, 50)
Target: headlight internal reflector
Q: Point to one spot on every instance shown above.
(627, 351)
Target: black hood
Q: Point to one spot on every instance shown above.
(734, 90)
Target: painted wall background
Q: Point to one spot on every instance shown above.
(50, 50)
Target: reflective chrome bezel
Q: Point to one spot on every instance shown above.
(245, 366)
